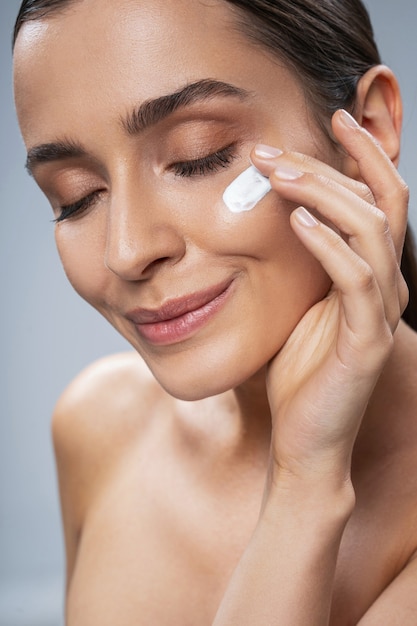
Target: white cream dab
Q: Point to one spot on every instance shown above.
(244, 193)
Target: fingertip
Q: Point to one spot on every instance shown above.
(347, 119)
(263, 157)
(304, 218)
(263, 151)
(346, 128)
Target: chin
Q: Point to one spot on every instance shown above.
(192, 394)
(203, 378)
(190, 385)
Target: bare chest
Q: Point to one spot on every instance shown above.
(162, 552)
(157, 551)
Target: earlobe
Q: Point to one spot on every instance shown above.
(379, 108)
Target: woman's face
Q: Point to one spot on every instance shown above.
(206, 296)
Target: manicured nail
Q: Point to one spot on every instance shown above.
(287, 173)
(348, 119)
(267, 152)
(305, 218)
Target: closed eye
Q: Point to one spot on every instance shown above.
(205, 165)
(186, 169)
(69, 210)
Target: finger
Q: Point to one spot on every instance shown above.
(365, 331)
(377, 170)
(267, 158)
(365, 227)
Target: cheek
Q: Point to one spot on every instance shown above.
(284, 280)
(81, 253)
(264, 237)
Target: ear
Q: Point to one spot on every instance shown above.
(378, 108)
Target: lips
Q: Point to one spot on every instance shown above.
(180, 318)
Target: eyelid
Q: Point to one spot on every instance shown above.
(79, 206)
(206, 164)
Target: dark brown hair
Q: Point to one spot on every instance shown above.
(328, 43)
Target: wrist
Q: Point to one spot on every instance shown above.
(317, 497)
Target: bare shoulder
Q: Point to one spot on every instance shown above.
(106, 408)
(105, 401)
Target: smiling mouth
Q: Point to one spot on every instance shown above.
(181, 318)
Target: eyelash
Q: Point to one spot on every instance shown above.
(205, 165)
(80, 206)
(185, 169)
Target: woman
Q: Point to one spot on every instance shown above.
(265, 472)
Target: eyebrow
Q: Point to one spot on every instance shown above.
(54, 151)
(144, 116)
(151, 112)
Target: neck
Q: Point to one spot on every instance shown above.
(253, 410)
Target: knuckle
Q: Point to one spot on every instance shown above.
(303, 159)
(334, 245)
(364, 277)
(381, 221)
(368, 196)
(322, 180)
(386, 341)
(400, 193)
(377, 346)
(302, 162)
(364, 193)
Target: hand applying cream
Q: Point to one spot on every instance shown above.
(244, 193)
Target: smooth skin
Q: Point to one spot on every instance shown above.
(266, 471)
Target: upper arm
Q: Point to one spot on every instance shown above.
(92, 425)
(74, 444)
(397, 605)
(64, 433)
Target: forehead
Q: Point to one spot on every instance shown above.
(101, 55)
(91, 38)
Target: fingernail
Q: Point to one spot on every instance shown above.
(348, 119)
(287, 173)
(267, 152)
(305, 218)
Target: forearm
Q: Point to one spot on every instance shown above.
(286, 574)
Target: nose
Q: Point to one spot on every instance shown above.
(142, 235)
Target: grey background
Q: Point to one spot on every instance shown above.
(47, 334)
